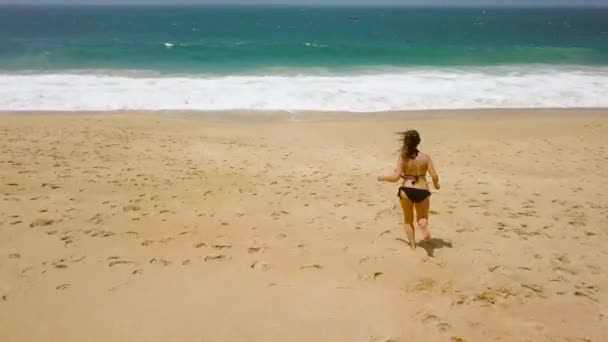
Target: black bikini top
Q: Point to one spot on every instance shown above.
(415, 177)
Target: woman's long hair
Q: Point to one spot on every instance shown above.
(411, 139)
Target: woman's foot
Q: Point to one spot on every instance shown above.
(412, 245)
(426, 233)
(411, 235)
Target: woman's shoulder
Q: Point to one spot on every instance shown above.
(423, 156)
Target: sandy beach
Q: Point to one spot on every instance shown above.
(176, 227)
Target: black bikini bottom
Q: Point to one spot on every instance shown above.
(415, 195)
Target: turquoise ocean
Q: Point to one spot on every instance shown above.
(301, 58)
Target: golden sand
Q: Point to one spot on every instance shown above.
(164, 227)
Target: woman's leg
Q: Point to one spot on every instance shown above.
(408, 220)
(422, 216)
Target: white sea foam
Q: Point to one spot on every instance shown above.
(398, 89)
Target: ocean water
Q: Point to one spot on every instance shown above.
(292, 58)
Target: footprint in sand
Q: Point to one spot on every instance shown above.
(131, 207)
(494, 268)
(160, 261)
(221, 246)
(63, 287)
(41, 222)
(423, 284)
(96, 219)
(119, 262)
(535, 290)
(60, 265)
(594, 269)
(457, 339)
(67, 240)
(77, 259)
(147, 242)
(491, 296)
(166, 239)
(254, 249)
(216, 257)
(587, 290)
(138, 271)
(434, 320)
(309, 266)
(373, 276)
(261, 266)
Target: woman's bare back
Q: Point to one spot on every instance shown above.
(414, 171)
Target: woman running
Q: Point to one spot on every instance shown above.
(412, 166)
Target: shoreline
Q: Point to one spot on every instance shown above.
(304, 116)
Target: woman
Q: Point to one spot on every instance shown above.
(412, 166)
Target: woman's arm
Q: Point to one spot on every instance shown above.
(396, 175)
(433, 173)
